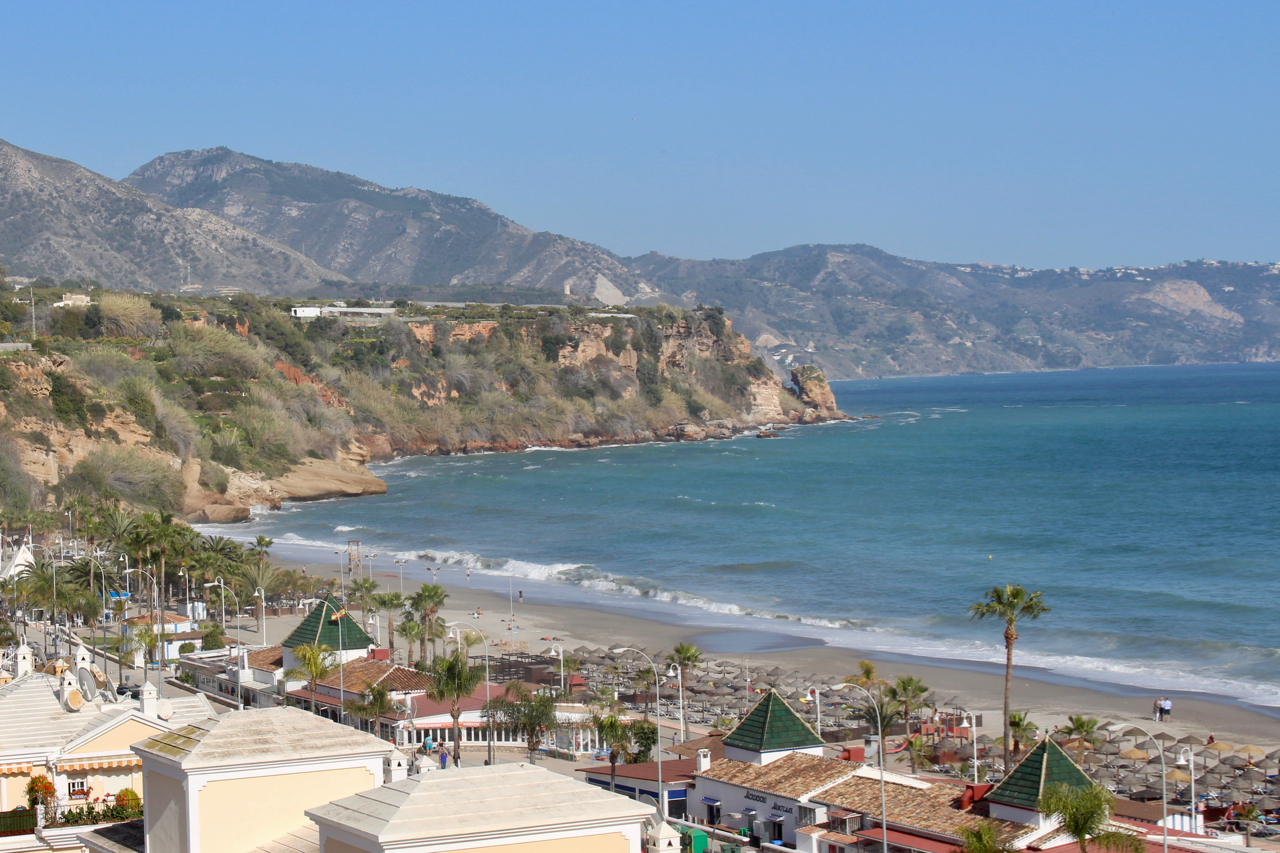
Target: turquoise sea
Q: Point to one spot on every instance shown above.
(1143, 502)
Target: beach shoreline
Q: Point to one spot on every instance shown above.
(976, 686)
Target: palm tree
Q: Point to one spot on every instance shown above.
(917, 751)
(1009, 603)
(410, 632)
(392, 603)
(1085, 731)
(880, 713)
(452, 680)
(866, 677)
(1023, 730)
(981, 838)
(261, 548)
(426, 602)
(361, 591)
(613, 731)
(909, 692)
(255, 576)
(314, 663)
(687, 657)
(1084, 813)
(373, 706)
(528, 714)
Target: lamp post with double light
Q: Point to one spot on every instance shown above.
(487, 697)
(155, 592)
(239, 644)
(1187, 759)
(559, 652)
(675, 670)
(1164, 789)
(973, 743)
(884, 817)
(657, 704)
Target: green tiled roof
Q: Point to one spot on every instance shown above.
(1046, 764)
(320, 628)
(772, 725)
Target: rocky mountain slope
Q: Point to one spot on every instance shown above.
(61, 220)
(374, 234)
(858, 311)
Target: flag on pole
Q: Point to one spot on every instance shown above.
(338, 614)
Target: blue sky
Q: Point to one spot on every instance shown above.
(1081, 134)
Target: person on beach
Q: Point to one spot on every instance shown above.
(1166, 708)
(522, 596)
(1155, 710)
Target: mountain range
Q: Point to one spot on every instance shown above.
(218, 217)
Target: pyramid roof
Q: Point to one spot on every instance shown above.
(320, 628)
(770, 726)
(1046, 764)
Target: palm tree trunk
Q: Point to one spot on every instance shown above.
(613, 770)
(391, 634)
(456, 712)
(1010, 637)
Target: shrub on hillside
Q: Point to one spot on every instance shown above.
(211, 351)
(129, 475)
(108, 366)
(128, 316)
(17, 488)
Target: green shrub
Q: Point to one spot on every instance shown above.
(108, 365)
(68, 400)
(96, 410)
(17, 488)
(186, 649)
(128, 316)
(130, 475)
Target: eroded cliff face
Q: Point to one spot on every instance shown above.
(815, 393)
(49, 450)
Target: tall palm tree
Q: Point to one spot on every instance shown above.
(411, 632)
(1085, 731)
(426, 602)
(527, 714)
(314, 663)
(453, 679)
(391, 603)
(909, 692)
(259, 575)
(1010, 604)
(375, 704)
(1084, 813)
(687, 657)
(918, 750)
(880, 713)
(361, 592)
(614, 732)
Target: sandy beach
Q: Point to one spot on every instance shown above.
(976, 687)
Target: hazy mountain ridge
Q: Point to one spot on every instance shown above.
(62, 220)
(866, 312)
(372, 233)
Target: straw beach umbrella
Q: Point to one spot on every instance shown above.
(1221, 746)
(1135, 754)
(1178, 776)
(1190, 740)
(1251, 751)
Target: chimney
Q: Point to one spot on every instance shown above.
(704, 760)
(69, 691)
(395, 768)
(149, 700)
(22, 662)
(82, 658)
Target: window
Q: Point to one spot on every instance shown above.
(713, 814)
(77, 789)
(806, 816)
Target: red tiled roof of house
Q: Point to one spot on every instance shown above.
(271, 658)
(674, 770)
(148, 619)
(934, 809)
(793, 776)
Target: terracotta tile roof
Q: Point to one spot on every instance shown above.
(270, 658)
(772, 725)
(794, 776)
(689, 748)
(357, 676)
(673, 770)
(934, 809)
(148, 619)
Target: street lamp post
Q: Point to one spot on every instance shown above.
(155, 592)
(559, 651)
(815, 693)
(186, 583)
(679, 674)
(401, 563)
(884, 816)
(487, 688)
(1164, 791)
(657, 704)
(53, 565)
(239, 644)
(1187, 758)
(973, 743)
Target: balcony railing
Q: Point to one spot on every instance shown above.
(80, 813)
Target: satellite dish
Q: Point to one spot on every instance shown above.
(649, 801)
(85, 679)
(99, 677)
(75, 701)
(164, 710)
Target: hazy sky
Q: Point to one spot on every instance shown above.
(1067, 134)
